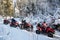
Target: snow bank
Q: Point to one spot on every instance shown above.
(57, 21)
(4, 31)
(17, 34)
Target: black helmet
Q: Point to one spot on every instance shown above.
(44, 22)
(38, 24)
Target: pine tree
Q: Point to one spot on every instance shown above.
(7, 8)
(1, 7)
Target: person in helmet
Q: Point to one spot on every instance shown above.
(13, 20)
(39, 27)
(44, 24)
(14, 23)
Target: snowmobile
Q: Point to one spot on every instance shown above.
(25, 25)
(57, 27)
(5, 21)
(48, 31)
(14, 23)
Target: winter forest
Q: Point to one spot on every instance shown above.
(31, 8)
(29, 19)
(45, 10)
(41, 7)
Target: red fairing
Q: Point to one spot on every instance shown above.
(39, 28)
(28, 24)
(49, 30)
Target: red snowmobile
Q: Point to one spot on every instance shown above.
(49, 31)
(5, 21)
(14, 23)
(25, 25)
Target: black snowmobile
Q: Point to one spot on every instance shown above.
(57, 27)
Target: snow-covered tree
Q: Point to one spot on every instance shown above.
(31, 9)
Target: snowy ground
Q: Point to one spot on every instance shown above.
(10, 33)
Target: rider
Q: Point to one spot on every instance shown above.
(39, 27)
(44, 24)
(13, 20)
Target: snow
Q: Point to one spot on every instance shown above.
(10, 33)
(24, 35)
(57, 21)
